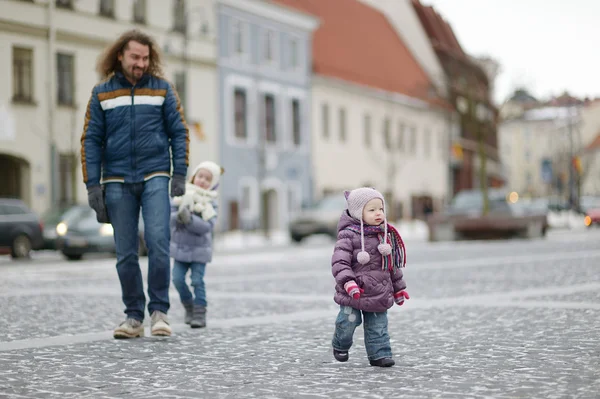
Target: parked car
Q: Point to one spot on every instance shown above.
(79, 233)
(20, 229)
(591, 208)
(322, 218)
(51, 218)
(464, 219)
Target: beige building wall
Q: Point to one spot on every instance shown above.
(83, 33)
(416, 165)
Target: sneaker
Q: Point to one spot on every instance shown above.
(340, 356)
(385, 362)
(130, 328)
(159, 324)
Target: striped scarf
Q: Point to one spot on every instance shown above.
(395, 260)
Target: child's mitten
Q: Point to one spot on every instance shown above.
(400, 296)
(353, 289)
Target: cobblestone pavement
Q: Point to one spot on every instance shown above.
(507, 319)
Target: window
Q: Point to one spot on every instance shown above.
(22, 74)
(241, 129)
(367, 130)
(181, 86)
(238, 37)
(246, 199)
(294, 54)
(269, 103)
(325, 120)
(139, 11)
(10, 209)
(107, 8)
(269, 46)
(64, 4)
(67, 170)
(413, 140)
(401, 130)
(296, 125)
(387, 138)
(66, 80)
(248, 196)
(427, 143)
(179, 17)
(342, 116)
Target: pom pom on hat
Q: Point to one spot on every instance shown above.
(384, 249)
(363, 257)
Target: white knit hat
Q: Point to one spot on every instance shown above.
(357, 199)
(213, 168)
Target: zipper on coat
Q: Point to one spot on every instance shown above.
(133, 152)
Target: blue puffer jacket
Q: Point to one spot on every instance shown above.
(192, 242)
(129, 129)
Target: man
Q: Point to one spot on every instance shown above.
(133, 119)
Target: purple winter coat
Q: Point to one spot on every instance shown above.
(192, 242)
(379, 285)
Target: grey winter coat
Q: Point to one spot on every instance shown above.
(192, 242)
(379, 285)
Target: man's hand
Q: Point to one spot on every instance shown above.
(96, 201)
(177, 185)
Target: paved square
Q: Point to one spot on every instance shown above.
(507, 319)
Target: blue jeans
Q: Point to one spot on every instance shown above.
(377, 340)
(179, 271)
(123, 202)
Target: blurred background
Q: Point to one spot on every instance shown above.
(461, 112)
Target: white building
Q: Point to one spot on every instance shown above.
(374, 119)
(48, 72)
(530, 140)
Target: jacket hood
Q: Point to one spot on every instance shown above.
(346, 221)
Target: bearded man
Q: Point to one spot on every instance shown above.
(135, 142)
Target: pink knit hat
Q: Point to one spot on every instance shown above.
(357, 199)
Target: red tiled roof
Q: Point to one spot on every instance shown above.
(439, 31)
(357, 43)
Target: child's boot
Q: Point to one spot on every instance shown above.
(340, 356)
(385, 362)
(189, 312)
(199, 317)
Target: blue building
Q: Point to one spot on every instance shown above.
(265, 66)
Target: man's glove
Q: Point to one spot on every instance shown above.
(400, 296)
(177, 185)
(96, 201)
(184, 215)
(353, 289)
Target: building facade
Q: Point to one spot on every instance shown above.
(375, 119)
(470, 91)
(48, 73)
(265, 59)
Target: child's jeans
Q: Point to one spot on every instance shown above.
(377, 340)
(179, 271)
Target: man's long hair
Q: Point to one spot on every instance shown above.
(109, 62)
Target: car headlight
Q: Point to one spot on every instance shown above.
(587, 221)
(106, 230)
(61, 229)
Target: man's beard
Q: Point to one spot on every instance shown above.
(135, 73)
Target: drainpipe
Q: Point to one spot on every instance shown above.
(51, 70)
